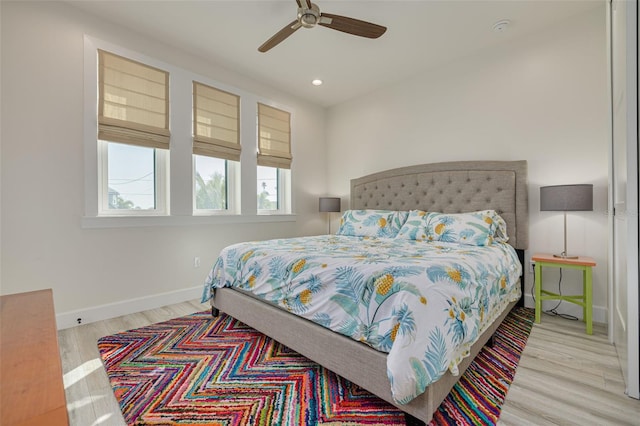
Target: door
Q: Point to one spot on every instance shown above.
(624, 301)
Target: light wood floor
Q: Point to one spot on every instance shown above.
(564, 378)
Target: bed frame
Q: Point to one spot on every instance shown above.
(451, 187)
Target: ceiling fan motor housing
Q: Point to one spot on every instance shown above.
(308, 18)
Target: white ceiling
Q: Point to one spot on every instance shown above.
(420, 35)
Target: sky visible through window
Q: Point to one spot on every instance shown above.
(131, 177)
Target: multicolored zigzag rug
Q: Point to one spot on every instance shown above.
(199, 370)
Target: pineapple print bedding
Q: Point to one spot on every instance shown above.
(424, 303)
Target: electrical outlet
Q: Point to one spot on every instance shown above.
(532, 267)
(196, 262)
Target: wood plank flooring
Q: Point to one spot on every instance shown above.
(565, 377)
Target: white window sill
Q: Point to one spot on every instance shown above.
(146, 221)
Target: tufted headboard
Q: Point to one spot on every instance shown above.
(452, 187)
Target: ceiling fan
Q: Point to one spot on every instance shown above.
(309, 16)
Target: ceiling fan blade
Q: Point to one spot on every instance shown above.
(278, 37)
(304, 4)
(351, 26)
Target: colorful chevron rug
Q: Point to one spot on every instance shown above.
(197, 370)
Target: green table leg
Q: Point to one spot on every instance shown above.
(588, 294)
(538, 288)
(585, 300)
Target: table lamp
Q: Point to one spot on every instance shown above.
(566, 198)
(329, 205)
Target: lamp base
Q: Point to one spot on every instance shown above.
(565, 256)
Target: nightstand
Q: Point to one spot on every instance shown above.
(583, 263)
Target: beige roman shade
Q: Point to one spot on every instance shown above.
(274, 137)
(216, 122)
(133, 104)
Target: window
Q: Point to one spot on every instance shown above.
(274, 137)
(131, 181)
(274, 159)
(155, 156)
(131, 187)
(268, 189)
(133, 136)
(210, 183)
(216, 147)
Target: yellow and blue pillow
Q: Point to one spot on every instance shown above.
(480, 228)
(415, 227)
(372, 223)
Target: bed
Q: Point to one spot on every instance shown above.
(449, 188)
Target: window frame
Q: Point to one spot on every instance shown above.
(283, 174)
(284, 193)
(161, 184)
(161, 156)
(232, 181)
(210, 146)
(178, 180)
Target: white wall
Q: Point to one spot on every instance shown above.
(542, 99)
(42, 175)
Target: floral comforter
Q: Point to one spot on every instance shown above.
(423, 303)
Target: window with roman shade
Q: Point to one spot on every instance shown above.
(216, 123)
(274, 137)
(133, 102)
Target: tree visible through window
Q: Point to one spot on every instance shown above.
(267, 188)
(210, 183)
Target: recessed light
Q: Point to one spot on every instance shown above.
(316, 82)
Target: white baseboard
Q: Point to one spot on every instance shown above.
(125, 307)
(131, 306)
(599, 313)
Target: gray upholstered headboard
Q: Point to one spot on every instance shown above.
(452, 187)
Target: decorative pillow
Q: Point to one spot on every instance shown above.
(500, 234)
(479, 228)
(372, 223)
(415, 227)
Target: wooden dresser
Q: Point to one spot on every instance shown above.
(31, 387)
